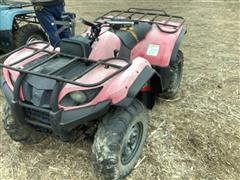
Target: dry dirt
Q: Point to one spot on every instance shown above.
(196, 136)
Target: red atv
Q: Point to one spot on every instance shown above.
(109, 76)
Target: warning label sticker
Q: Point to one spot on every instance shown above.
(153, 49)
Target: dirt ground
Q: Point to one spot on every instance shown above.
(196, 136)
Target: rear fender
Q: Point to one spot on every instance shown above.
(158, 47)
(7, 17)
(177, 45)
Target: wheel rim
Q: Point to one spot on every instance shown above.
(132, 143)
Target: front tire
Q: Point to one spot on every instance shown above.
(119, 141)
(27, 34)
(19, 132)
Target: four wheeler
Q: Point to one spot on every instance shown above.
(18, 25)
(106, 78)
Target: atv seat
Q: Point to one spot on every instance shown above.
(141, 29)
(130, 38)
(127, 38)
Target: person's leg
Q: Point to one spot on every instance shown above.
(46, 19)
(58, 11)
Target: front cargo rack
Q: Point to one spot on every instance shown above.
(51, 55)
(165, 22)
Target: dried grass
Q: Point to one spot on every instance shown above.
(196, 136)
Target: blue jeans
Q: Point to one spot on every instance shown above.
(46, 17)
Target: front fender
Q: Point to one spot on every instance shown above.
(125, 85)
(147, 73)
(143, 77)
(7, 17)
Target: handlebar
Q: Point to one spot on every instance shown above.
(95, 29)
(87, 23)
(120, 22)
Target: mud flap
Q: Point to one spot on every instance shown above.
(6, 91)
(17, 112)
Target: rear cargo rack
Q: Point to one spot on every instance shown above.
(29, 17)
(152, 16)
(72, 59)
(15, 4)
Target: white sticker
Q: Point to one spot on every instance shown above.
(153, 49)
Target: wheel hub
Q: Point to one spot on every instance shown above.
(132, 143)
(33, 38)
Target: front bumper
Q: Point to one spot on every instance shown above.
(6, 40)
(60, 122)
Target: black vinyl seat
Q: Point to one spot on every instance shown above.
(141, 29)
(129, 40)
(127, 37)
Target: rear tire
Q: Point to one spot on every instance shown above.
(119, 141)
(19, 132)
(174, 84)
(29, 33)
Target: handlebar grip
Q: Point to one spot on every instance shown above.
(87, 23)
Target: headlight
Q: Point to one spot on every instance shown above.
(77, 98)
